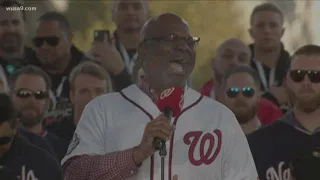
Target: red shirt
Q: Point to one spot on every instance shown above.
(267, 111)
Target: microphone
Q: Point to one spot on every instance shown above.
(170, 104)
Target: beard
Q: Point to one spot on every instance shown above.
(30, 120)
(11, 42)
(247, 115)
(306, 105)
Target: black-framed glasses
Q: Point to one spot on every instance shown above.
(26, 93)
(246, 92)
(51, 40)
(299, 75)
(190, 40)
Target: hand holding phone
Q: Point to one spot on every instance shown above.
(105, 53)
(102, 35)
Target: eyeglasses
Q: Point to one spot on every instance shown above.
(246, 91)
(299, 75)
(5, 140)
(51, 40)
(193, 41)
(26, 93)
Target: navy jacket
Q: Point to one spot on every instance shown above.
(276, 147)
(38, 141)
(25, 160)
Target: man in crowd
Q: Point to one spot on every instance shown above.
(232, 53)
(167, 53)
(30, 86)
(18, 158)
(269, 57)
(57, 56)
(13, 52)
(129, 17)
(87, 81)
(274, 147)
(242, 93)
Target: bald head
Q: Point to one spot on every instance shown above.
(235, 43)
(167, 51)
(159, 25)
(231, 53)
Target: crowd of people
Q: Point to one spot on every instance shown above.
(74, 115)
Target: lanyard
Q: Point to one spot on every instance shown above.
(60, 87)
(129, 62)
(262, 76)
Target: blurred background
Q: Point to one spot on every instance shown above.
(213, 21)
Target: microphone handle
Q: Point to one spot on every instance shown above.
(159, 143)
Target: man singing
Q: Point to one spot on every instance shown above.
(114, 138)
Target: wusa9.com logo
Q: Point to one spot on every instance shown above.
(21, 8)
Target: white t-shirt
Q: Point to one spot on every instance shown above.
(208, 143)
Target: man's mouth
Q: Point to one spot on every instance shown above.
(178, 65)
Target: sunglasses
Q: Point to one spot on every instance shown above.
(51, 40)
(26, 93)
(5, 140)
(246, 91)
(299, 75)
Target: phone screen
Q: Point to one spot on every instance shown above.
(100, 35)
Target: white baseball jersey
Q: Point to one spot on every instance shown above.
(207, 144)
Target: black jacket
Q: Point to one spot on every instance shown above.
(25, 160)
(37, 141)
(276, 148)
(64, 129)
(282, 66)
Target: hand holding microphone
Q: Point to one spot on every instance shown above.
(159, 130)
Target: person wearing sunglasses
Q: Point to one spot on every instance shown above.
(30, 93)
(273, 147)
(57, 56)
(19, 158)
(232, 53)
(241, 87)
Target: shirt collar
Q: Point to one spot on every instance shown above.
(146, 88)
(290, 119)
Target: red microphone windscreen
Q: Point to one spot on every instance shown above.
(171, 98)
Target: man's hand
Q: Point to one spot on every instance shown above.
(159, 127)
(106, 54)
